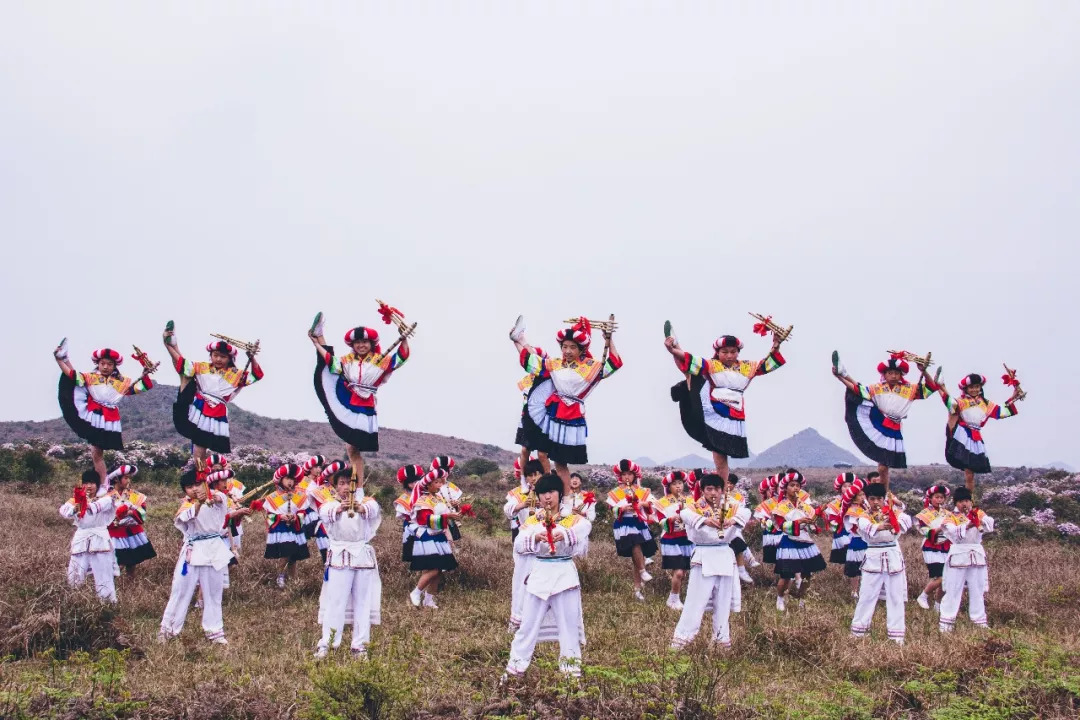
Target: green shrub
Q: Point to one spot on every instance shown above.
(479, 466)
(374, 689)
(36, 468)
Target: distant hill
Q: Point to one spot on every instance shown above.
(805, 449)
(646, 462)
(693, 462)
(1060, 465)
(148, 417)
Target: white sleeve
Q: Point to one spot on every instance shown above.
(987, 524)
(68, 510)
(328, 512)
(905, 522)
(374, 514)
(509, 505)
(524, 544)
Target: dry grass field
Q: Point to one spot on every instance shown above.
(67, 656)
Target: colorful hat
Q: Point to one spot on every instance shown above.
(409, 474)
(222, 347)
(420, 485)
(843, 478)
(580, 332)
(896, 362)
(288, 470)
(313, 461)
(624, 466)
(443, 462)
(790, 478)
(972, 379)
(933, 490)
(673, 476)
(727, 341)
(850, 492)
(363, 333)
(331, 470)
(107, 354)
(764, 487)
(220, 475)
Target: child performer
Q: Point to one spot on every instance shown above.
(91, 546)
(520, 505)
(317, 492)
(964, 448)
(450, 493)
(553, 588)
(89, 401)
(966, 564)
(407, 476)
(201, 412)
(574, 376)
(675, 547)
(935, 548)
(874, 412)
(743, 556)
(797, 553)
(853, 506)
(834, 519)
(285, 509)
(432, 552)
(346, 385)
(584, 504)
(763, 513)
(712, 406)
(883, 568)
(536, 388)
(127, 533)
(203, 558)
(352, 573)
(221, 480)
(632, 506)
(710, 525)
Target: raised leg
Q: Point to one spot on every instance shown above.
(98, 457)
(356, 460)
(721, 463)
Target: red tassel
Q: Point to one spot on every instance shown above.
(1009, 380)
(897, 356)
(762, 328)
(894, 522)
(549, 523)
(467, 511)
(589, 497)
(388, 313)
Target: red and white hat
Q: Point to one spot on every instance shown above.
(222, 347)
(107, 354)
(624, 466)
(791, 477)
(215, 461)
(843, 478)
(943, 489)
(331, 470)
(673, 476)
(420, 485)
(313, 462)
(896, 362)
(443, 462)
(410, 474)
(220, 475)
(854, 489)
(288, 470)
(580, 332)
(972, 379)
(363, 333)
(765, 487)
(727, 341)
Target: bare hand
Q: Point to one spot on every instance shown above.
(671, 344)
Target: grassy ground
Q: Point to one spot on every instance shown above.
(69, 657)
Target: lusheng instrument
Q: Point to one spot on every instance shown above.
(1010, 379)
(765, 324)
(250, 495)
(143, 359)
(605, 326)
(912, 357)
(393, 315)
(249, 348)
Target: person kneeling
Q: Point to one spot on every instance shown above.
(710, 525)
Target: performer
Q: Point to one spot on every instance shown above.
(711, 400)
(883, 569)
(874, 412)
(582, 502)
(632, 506)
(285, 509)
(853, 506)
(346, 385)
(763, 514)
(201, 412)
(675, 547)
(223, 481)
(407, 476)
(966, 563)
(797, 553)
(574, 376)
(450, 493)
(89, 401)
(964, 448)
(352, 572)
(312, 485)
(552, 589)
(203, 558)
(520, 505)
(935, 547)
(536, 389)
(743, 556)
(710, 525)
(834, 520)
(91, 546)
(432, 552)
(127, 533)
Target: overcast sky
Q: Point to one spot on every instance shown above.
(882, 175)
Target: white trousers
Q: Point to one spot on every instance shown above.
(871, 588)
(953, 582)
(345, 584)
(517, 587)
(566, 607)
(699, 592)
(101, 565)
(183, 587)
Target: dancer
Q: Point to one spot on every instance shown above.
(201, 412)
(89, 401)
(221, 481)
(127, 533)
(432, 552)
(203, 558)
(521, 503)
(710, 525)
(763, 514)
(853, 506)
(536, 388)
(675, 547)
(352, 572)
(553, 588)
(743, 556)
(966, 564)
(711, 399)
(883, 568)
(91, 546)
(285, 508)
(633, 507)
(318, 492)
(874, 412)
(834, 521)
(582, 502)
(451, 494)
(797, 553)
(964, 448)
(346, 385)
(407, 476)
(574, 376)
(935, 547)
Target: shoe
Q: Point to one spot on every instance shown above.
(415, 597)
(854, 595)
(802, 604)
(744, 576)
(648, 561)
(163, 637)
(220, 640)
(673, 602)
(359, 653)
(638, 596)
(924, 602)
(645, 576)
(321, 652)
(281, 582)
(429, 601)
(780, 603)
(754, 562)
